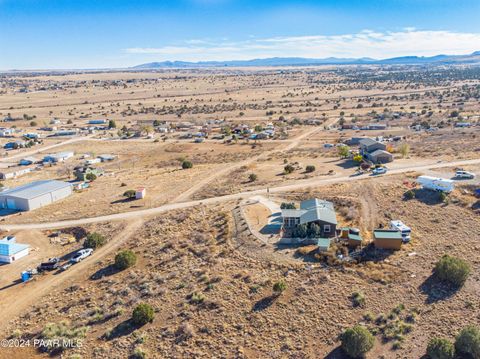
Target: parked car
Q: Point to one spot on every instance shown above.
(464, 174)
(51, 264)
(81, 255)
(379, 170)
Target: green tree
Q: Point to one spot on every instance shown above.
(287, 205)
(91, 177)
(187, 164)
(252, 177)
(143, 314)
(288, 169)
(343, 151)
(452, 270)
(357, 341)
(125, 259)
(112, 124)
(94, 240)
(129, 193)
(467, 342)
(279, 287)
(439, 348)
(300, 231)
(310, 169)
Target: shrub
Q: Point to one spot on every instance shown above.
(410, 194)
(91, 177)
(60, 333)
(252, 177)
(143, 314)
(279, 287)
(310, 169)
(358, 299)
(129, 194)
(94, 240)
(358, 158)
(452, 270)
(125, 259)
(288, 169)
(357, 341)
(439, 348)
(187, 164)
(286, 205)
(442, 197)
(138, 353)
(468, 342)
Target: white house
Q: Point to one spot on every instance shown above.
(58, 157)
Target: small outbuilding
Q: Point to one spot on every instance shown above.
(58, 157)
(10, 250)
(352, 236)
(34, 195)
(387, 239)
(140, 193)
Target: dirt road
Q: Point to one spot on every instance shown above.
(300, 184)
(223, 172)
(15, 299)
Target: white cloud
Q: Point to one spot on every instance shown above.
(367, 43)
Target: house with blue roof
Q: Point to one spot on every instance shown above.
(11, 251)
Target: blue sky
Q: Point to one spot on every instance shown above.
(46, 34)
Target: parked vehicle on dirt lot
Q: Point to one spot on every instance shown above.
(81, 255)
(379, 170)
(436, 184)
(51, 264)
(464, 174)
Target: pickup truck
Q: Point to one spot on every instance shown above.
(81, 255)
(51, 264)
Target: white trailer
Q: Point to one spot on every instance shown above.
(436, 183)
(401, 227)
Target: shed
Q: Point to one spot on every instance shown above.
(352, 236)
(10, 251)
(387, 239)
(34, 195)
(323, 244)
(140, 193)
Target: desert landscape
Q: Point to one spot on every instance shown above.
(190, 177)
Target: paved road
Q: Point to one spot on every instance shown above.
(300, 184)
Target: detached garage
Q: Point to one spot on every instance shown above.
(34, 195)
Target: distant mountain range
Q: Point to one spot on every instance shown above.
(473, 58)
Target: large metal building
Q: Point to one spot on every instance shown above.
(34, 195)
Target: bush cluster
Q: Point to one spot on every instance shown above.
(452, 270)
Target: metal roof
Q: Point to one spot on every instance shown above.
(368, 141)
(325, 214)
(8, 248)
(387, 234)
(315, 202)
(292, 213)
(323, 242)
(380, 152)
(35, 189)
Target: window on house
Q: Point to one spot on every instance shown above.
(327, 228)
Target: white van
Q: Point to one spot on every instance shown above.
(406, 231)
